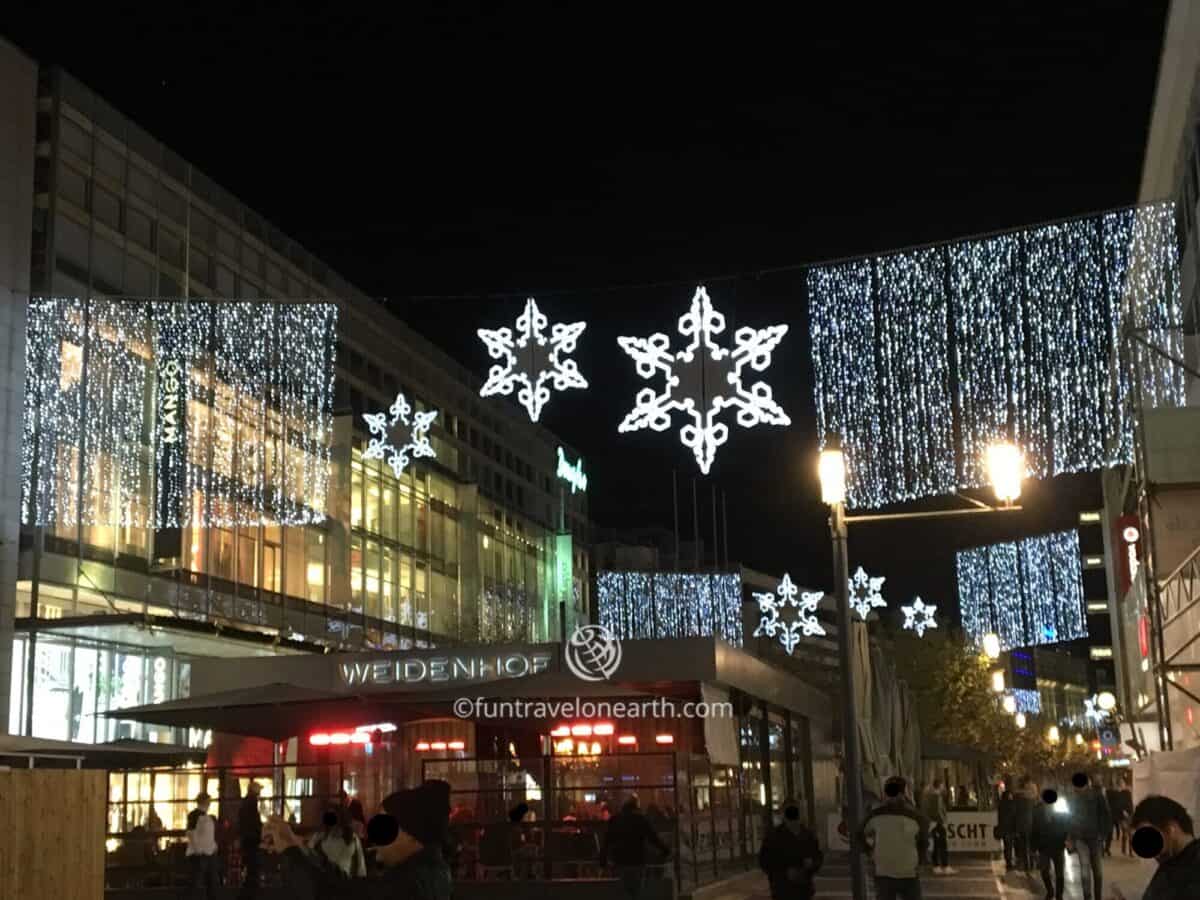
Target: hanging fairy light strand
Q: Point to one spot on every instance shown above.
(1013, 337)
(1027, 592)
(166, 413)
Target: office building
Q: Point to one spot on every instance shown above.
(481, 543)
(1152, 509)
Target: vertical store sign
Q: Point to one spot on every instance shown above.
(1129, 542)
(170, 426)
(564, 569)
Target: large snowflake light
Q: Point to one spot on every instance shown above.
(401, 437)
(702, 379)
(805, 623)
(864, 593)
(919, 616)
(532, 360)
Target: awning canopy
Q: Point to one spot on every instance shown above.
(280, 711)
(274, 711)
(16, 750)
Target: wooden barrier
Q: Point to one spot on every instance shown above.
(52, 834)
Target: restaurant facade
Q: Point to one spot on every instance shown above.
(710, 739)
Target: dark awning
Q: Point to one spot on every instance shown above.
(121, 754)
(273, 711)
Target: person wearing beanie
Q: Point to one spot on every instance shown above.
(409, 837)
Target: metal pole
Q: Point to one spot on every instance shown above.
(675, 505)
(852, 753)
(696, 524)
(716, 540)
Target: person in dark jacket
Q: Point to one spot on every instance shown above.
(1024, 801)
(1090, 822)
(791, 856)
(1006, 826)
(1163, 829)
(625, 845)
(250, 832)
(1048, 839)
(408, 837)
(1120, 804)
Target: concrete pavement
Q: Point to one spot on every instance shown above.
(974, 880)
(1129, 875)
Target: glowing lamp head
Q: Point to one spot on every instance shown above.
(991, 645)
(1130, 534)
(998, 681)
(1052, 735)
(1106, 701)
(1020, 719)
(1010, 704)
(1079, 739)
(1006, 468)
(832, 470)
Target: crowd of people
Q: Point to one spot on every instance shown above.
(407, 850)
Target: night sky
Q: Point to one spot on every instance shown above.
(457, 159)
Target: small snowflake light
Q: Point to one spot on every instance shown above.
(399, 435)
(919, 616)
(532, 360)
(864, 593)
(1092, 711)
(703, 378)
(805, 623)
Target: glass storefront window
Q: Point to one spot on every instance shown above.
(451, 541)
(356, 573)
(294, 576)
(248, 557)
(390, 577)
(387, 510)
(272, 558)
(356, 487)
(405, 616)
(372, 502)
(406, 516)
(372, 580)
(421, 514)
(222, 550)
(315, 566)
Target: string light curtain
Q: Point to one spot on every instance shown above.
(1026, 592)
(670, 604)
(924, 358)
(183, 412)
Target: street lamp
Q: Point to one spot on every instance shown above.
(1020, 720)
(1106, 701)
(1010, 704)
(1079, 739)
(998, 681)
(1006, 467)
(991, 645)
(1052, 735)
(831, 469)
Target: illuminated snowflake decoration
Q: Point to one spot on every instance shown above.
(532, 360)
(805, 623)
(864, 593)
(400, 435)
(1092, 711)
(919, 616)
(702, 379)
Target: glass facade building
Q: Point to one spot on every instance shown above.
(467, 547)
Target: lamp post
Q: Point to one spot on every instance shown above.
(832, 470)
(1006, 469)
